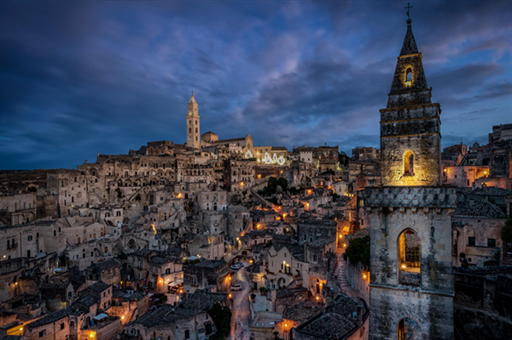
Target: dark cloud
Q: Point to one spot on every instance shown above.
(78, 78)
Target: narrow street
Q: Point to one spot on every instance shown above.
(341, 269)
(241, 316)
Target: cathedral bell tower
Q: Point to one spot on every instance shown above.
(410, 128)
(193, 131)
(411, 283)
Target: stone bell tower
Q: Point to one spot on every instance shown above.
(410, 129)
(411, 284)
(193, 131)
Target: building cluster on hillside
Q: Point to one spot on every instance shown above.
(154, 244)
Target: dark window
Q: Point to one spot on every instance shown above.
(42, 333)
(471, 241)
(491, 242)
(62, 325)
(412, 247)
(187, 334)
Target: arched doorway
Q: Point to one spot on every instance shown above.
(409, 329)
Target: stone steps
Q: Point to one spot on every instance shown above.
(342, 279)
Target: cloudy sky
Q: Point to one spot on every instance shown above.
(77, 79)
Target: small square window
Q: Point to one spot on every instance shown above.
(471, 241)
(491, 242)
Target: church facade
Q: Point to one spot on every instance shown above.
(411, 283)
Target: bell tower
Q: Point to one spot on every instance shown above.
(193, 130)
(411, 282)
(410, 128)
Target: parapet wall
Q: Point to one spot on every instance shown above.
(410, 197)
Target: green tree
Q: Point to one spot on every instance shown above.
(330, 171)
(283, 182)
(221, 316)
(358, 250)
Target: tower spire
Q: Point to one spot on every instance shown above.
(192, 99)
(409, 46)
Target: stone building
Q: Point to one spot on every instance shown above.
(322, 157)
(205, 273)
(309, 230)
(212, 200)
(172, 322)
(411, 283)
(362, 153)
(345, 318)
(193, 131)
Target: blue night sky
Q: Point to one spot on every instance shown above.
(78, 78)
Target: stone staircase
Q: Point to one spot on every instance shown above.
(341, 272)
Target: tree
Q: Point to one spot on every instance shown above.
(330, 171)
(221, 316)
(283, 183)
(358, 250)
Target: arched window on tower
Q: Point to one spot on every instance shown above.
(409, 329)
(408, 77)
(409, 164)
(190, 130)
(409, 257)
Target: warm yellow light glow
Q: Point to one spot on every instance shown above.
(364, 275)
(21, 329)
(181, 291)
(241, 184)
(445, 170)
(344, 245)
(286, 325)
(154, 229)
(318, 298)
(161, 280)
(403, 266)
(122, 317)
(259, 176)
(230, 295)
(179, 195)
(340, 236)
(250, 261)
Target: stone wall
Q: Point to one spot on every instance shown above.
(355, 274)
(426, 211)
(482, 303)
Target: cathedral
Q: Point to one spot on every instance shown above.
(411, 283)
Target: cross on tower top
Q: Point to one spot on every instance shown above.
(408, 8)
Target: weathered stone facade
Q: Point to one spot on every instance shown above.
(411, 283)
